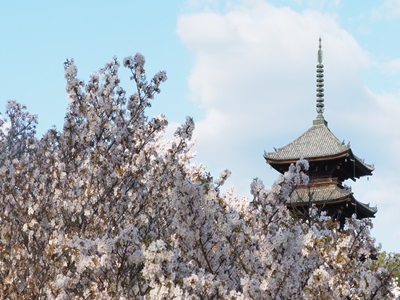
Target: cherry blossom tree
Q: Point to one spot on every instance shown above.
(107, 208)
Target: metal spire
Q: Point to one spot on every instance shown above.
(320, 88)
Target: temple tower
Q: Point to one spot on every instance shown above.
(331, 163)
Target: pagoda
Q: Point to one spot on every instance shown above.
(331, 163)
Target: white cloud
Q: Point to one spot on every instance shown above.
(256, 61)
(392, 67)
(389, 9)
(377, 122)
(254, 75)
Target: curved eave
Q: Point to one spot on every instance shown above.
(360, 167)
(367, 169)
(362, 210)
(272, 161)
(366, 209)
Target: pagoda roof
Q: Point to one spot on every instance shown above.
(316, 143)
(321, 193)
(329, 195)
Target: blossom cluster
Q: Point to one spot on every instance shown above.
(107, 208)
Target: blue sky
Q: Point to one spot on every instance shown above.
(37, 37)
(245, 70)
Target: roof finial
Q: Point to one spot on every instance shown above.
(320, 88)
(320, 52)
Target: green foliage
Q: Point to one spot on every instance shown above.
(390, 262)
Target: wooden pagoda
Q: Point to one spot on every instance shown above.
(331, 163)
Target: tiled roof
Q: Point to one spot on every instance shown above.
(322, 193)
(318, 141)
(329, 194)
